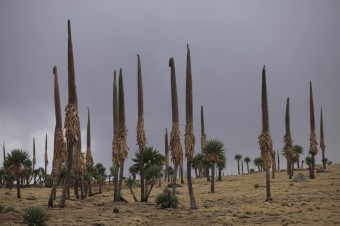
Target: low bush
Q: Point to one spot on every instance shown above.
(9, 209)
(166, 201)
(6, 209)
(35, 216)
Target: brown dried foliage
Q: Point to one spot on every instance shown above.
(78, 162)
(288, 148)
(189, 140)
(141, 137)
(175, 144)
(71, 122)
(60, 152)
(313, 148)
(115, 147)
(266, 146)
(122, 150)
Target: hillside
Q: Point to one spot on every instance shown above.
(239, 200)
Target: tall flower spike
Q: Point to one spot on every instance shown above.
(3, 150)
(46, 156)
(203, 136)
(71, 124)
(189, 129)
(115, 142)
(313, 143)
(189, 137)
(122, 150)
(322, 141)
(175, 135)
(89, 158)
(288, 147)
(115, 120)
(59, 147)
(313, 147)
(34, 161)
(265, 140)
(141, 137)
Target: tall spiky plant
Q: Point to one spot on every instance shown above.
(59, 152)
(34, 161)
(3, 150)
(89, 158)
(273, 163)
(288, 147)
(203, 136)
(265, 140)
(313, 148)
(79, 168)
(166, 154)
(88, 155)
(278, 159)
(122, 150)
(322, 141)
(46, 156)
(203, 142)
(79, 165)
(115, 141)
(175, 135)
(72, 118)
(141, 138)
(6, 182)
(189, 137)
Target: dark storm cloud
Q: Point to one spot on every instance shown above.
(230, 42)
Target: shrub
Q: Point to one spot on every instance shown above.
(166, 201)
(4, 209)
(9, 209)
(35, 216)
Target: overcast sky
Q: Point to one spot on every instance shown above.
(230, 41)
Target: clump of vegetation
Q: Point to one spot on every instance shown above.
(166, 201)
(257, 186)
(4, 209)
(9, 209)
(35, 216)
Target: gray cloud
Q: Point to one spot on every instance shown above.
(230, 42)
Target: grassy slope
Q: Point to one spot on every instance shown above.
(236, 202)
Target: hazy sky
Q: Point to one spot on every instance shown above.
(230, 41)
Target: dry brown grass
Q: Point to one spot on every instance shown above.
(236, 202)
